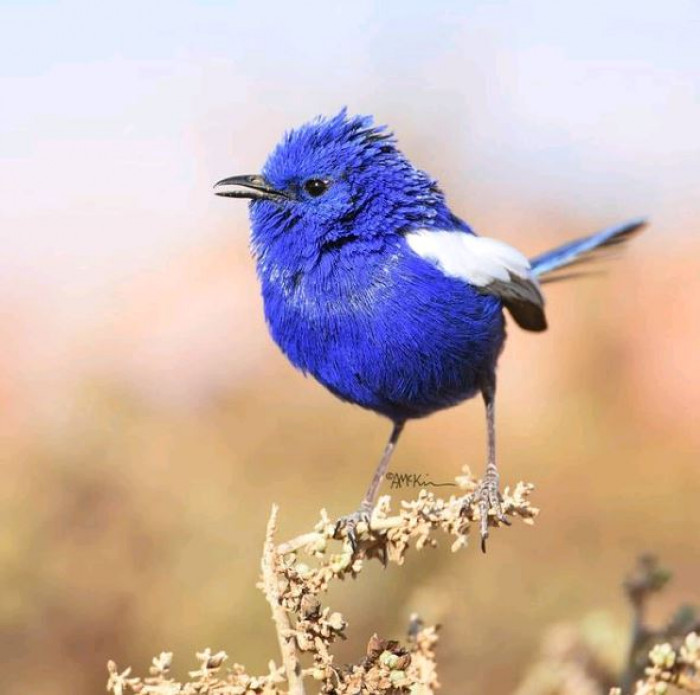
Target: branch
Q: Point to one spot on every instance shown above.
(671, 666)
(416, 520)
(646, 579)
(583, 659)
(307, 629)
(674, 657)
(270, 566)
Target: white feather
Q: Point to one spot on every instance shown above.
(476, 260)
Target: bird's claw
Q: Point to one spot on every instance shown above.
(349, 523)
(488, 498)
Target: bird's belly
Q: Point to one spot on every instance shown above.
(412, 373)
(407, 353)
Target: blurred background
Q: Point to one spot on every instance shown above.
(147, 423)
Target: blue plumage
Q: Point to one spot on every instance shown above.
(384, 329)
(374, 287)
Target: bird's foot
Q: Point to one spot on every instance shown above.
(350, 522)
(488, 497)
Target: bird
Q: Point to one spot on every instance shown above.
(374, 287)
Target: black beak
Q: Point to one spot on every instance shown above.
(253, 187)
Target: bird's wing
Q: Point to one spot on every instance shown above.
(491, 266)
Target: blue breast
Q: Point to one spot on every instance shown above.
(384, 328)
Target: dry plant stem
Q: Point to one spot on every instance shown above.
(519, 506)
(269, 565)
(306, 629)
(675, 660)
(312, 537)
(647, 578)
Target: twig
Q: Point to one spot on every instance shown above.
(418, 518)
(270, 585)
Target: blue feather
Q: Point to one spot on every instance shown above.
(584, 249)
(375, 288)
(348, 300)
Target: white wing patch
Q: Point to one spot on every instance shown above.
(474, 259)
(490, 265)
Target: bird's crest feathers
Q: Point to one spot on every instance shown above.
(344, 189)
(327, 145)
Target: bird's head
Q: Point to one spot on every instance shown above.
(332, 182)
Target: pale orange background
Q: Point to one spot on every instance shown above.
(147, 421)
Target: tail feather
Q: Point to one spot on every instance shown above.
(584, 250)
(559, 276)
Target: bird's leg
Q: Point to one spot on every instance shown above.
(488, 494)
(364, 512)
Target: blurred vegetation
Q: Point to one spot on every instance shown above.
(131, 524)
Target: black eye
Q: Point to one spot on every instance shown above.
(315, 187)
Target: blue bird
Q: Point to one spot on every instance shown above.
(373, 286)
